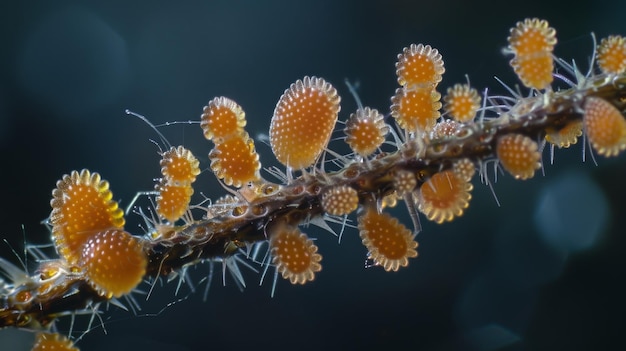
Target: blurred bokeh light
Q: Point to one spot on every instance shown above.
(572, 212)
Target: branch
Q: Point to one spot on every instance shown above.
(261, 212)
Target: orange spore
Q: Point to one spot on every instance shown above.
(444, 196)
(303, 121)
(294, 254)
(445, 129)
(532, 42)
(419, 66)
(23, 296)
(605, 127)
(222, 118)
(114, 262)
(173, 200)
(340, 200)
(390, 201)
(365, 131)
(416, 109)
(461, 103)
(464, 168)
(179, 166)
(81, 205)
(404, 182)
(566, 136)
(519, 155)
(390, 244)
(52, 342)
(236, 161)
(611, 55)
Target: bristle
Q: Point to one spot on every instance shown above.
(113, 262)
(365, 131)
(532, 42)
(222, 118)
(444, 196)
(389, 243)
(303, 121)
(519, 155)
(611, 55)
(294, 254)
(605, 127)
(419, 66)
(81, 205)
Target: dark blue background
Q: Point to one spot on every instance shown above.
(488, 281)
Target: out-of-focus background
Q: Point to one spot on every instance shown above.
(543, 271)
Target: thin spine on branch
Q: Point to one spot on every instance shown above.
(433, 158)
